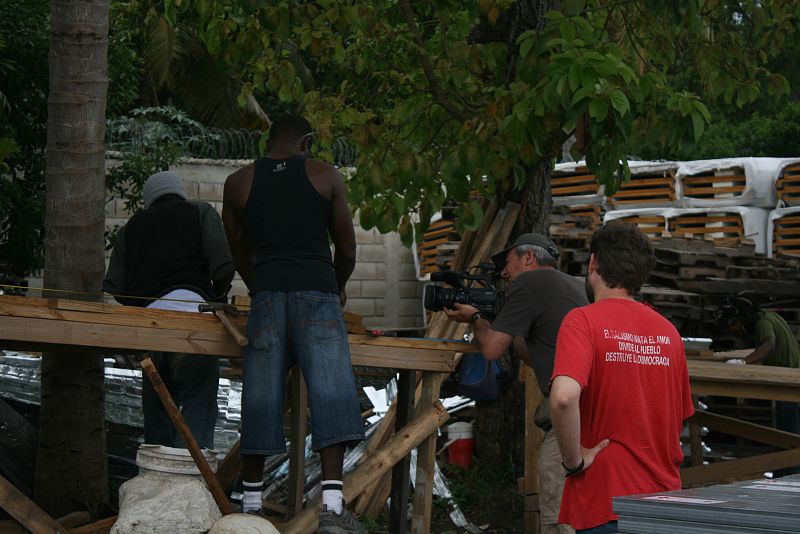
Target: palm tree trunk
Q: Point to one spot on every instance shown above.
(72, 467)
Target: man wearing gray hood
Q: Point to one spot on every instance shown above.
(174, 255)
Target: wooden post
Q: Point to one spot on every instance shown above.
(191, 443)
(533, 446)
(297, 446)
(230, 467)
(695, 439)
(426, 462)
(398, 511)
(25, 510)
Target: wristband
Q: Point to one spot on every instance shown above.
(574, 470)
(475, 316)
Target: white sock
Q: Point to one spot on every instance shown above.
(332, 495)
(252, 496)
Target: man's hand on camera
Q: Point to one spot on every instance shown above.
(462, 313)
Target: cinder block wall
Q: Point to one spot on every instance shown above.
(383, 287)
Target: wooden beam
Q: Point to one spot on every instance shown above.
(17, 447)
(44, 325)
(744, 429)
(25, 510)
(754, 466)
(398, 510)
(297, 447)
(188, 439)
(230, 467)
(426, 463)
(744, 381)
(103, 526)
(378, 464)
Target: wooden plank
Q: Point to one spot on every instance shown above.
(188, 439)
(695, 191)
(753, 466)
(745, 429)
(575, 190)
(426, 463)
(374, 467)
(398, 509)
(103, 526)
(297, 445)
(682, 219)
(18, 440)
(744, 381)
(229, 469)
(22, 320)
(713, 178)
(558, 181)
(25, 510)
(533, 445)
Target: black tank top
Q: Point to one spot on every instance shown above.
(286, 224)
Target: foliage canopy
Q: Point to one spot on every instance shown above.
(447, 98)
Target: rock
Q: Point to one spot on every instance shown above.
(153, 503)
(243, 524)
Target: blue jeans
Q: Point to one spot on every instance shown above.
(192, 380)
(608, 528)
(307, 327)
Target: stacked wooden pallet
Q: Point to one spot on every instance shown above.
(438, 248)
(652, 224)
(573, 183)
(788, 185)
(696, 275)
(571, 229)
(715, 184)
(786, 236)
(726, 228)
(657, 187)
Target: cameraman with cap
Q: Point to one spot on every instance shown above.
(775, 345)
(529, 319)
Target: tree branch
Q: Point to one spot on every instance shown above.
(433, 83)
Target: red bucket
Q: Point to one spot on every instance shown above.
(461, 444)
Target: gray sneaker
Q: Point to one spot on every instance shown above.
(344, 523)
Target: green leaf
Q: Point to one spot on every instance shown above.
(598, 110)
(698, 125)
(620, 102)
(169, 12)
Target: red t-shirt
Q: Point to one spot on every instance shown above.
(631, 366)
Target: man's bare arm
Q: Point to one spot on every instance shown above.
(762, 351)
(342, 232)
(233, 202)
(565, 413)
(491, 343)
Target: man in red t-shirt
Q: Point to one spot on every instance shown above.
(620, 387)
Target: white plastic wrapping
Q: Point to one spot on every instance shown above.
(773, 215)
(759, 188)
(754, 220)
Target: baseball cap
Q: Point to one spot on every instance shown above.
(539, 240)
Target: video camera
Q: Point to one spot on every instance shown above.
(486, 298)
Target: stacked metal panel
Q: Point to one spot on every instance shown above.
(753, 506)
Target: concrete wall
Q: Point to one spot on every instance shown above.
(383, 287)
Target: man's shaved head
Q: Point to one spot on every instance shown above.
(288, 128)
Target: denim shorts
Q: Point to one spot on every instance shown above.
(306, 327)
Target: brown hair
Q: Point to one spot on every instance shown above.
(624, 255)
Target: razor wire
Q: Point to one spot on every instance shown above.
(138, 134)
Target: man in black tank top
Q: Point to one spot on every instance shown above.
(279, 215)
